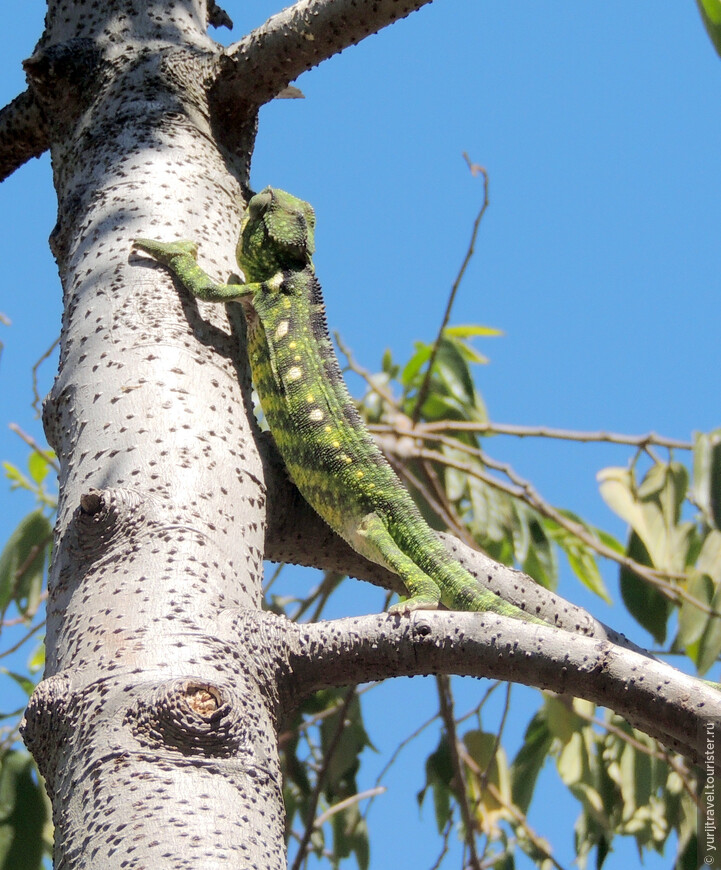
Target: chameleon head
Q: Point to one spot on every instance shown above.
(277, 232)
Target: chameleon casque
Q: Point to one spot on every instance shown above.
(330, 455)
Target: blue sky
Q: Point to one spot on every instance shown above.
(600, 129)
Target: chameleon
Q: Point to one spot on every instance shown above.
(329, 453)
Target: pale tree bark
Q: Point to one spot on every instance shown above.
(155, 723)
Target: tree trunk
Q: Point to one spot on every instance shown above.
(155, 725)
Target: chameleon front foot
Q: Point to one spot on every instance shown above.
(180, 259)
(165, 252)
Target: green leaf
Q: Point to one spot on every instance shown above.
(644, 602)
(17, 478)
(618, 490)
(609, 541)
(412, 368)
(709, 557)
(562, 721)
(540, 562)
(652, 511)
(573, 762)
(452, 394)
(471, 330)
(492, 512)
(580, 556)
(711, 16)
(530, 759)
(36, 662)
(459, 334)
(350, 835)
(387, 364)
(488, 811)
(345, 761)
(22, 563)
(667, 485)
(707, 476)
(23, 813)
(453, 372)
(439, 772)
(692, 621)
(706, 651)
(38, 466)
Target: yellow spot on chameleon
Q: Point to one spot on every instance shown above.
(359, 474)
(328, 428)
(335, 444)
(297, 357)
(316, 415)
(310, 397)
(346, 458)
(295, 373)
(286, 302)
(282, 330)
(292, 345)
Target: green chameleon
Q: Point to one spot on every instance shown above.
(330, 455)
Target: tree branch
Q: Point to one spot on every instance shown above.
(23, 133)
(300, 37)
(651, 695)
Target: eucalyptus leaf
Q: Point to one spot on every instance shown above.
(23, 813)
(529, 761)
(692, 620)
(22, 563)
(471, 330)
(643, 600)
(580, 556)
(439, 773)
(707, 649)
(707, 476)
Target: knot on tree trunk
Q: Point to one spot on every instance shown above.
(60, 76)
(104, 517)
(45, 722)
(191, 717)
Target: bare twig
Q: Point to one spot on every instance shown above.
(444, 846)
(499, 732)
(50, 458)
(446, 710)
(36, 395)
(364, 373)
(640, 441)
(315, 797)
(348, 802)
(26, 637)
(425, 385)
(523, 822)
(397, 751)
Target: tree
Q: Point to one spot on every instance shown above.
(158, 569)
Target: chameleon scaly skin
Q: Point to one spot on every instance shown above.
(330, 455)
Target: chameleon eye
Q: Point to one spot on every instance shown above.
(259, 204)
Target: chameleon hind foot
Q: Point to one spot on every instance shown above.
(378, 546)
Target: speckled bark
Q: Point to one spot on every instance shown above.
(158, 746)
